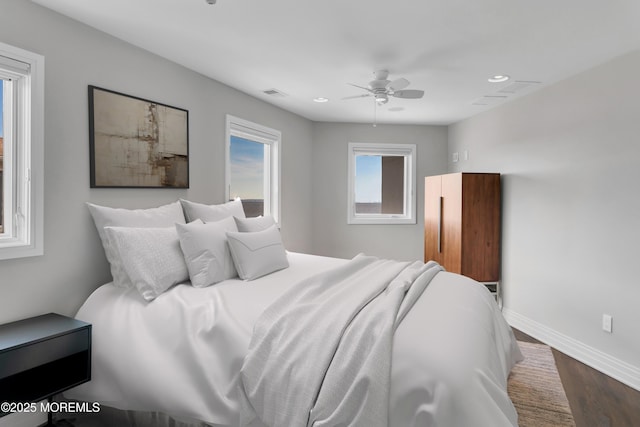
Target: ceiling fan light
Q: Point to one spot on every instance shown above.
(382, 99)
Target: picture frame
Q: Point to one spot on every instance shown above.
(136, 143)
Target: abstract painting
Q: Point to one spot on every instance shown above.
(135, 142)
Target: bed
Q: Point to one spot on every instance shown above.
(185, 353)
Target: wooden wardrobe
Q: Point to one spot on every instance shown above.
(462, 224)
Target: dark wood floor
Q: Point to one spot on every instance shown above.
(596, 400)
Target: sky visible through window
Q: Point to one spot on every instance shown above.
(247, 169)
(368, 179)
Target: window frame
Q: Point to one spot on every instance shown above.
(272, 139)
(24, 153)
(408, 151)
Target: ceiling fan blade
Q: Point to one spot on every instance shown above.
(364, 95)
(360, 87)
(409, 94)
(398, 84)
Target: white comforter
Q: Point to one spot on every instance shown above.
(182, 353)
(321, 354)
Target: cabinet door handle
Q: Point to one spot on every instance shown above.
(440, 225)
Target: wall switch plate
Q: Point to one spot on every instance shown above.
(465, 155)
(607, 323)
(454, 157)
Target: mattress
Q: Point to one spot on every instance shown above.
(182, 353)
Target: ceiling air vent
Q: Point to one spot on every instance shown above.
(518, 86)
(274, 92)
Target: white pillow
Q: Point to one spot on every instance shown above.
(259, 253)
(248, 225)
(206, 251)
(208, 213)
(163, 216)
(151, 257)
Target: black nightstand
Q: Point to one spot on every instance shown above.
(43, 356)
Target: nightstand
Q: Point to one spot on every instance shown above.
(43, 356)
(494, 288)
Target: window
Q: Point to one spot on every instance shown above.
(21, 152)
(382, 184)
(253, 171)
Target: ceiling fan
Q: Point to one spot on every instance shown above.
(381, 88)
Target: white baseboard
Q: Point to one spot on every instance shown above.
(615, 368)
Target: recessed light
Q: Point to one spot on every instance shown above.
(320, 99)
(498, 79)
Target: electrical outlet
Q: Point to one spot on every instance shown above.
(607, 323)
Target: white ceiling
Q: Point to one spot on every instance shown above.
(309, 49)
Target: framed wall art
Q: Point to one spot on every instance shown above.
(137, 143)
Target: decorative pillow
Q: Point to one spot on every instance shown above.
(163, 216)
(206, 251)
(151, 257)
(248, 225)
(258, 253)
(209, 213)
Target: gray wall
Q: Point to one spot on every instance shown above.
(571, 209)
(76, 56)
(331, 233)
